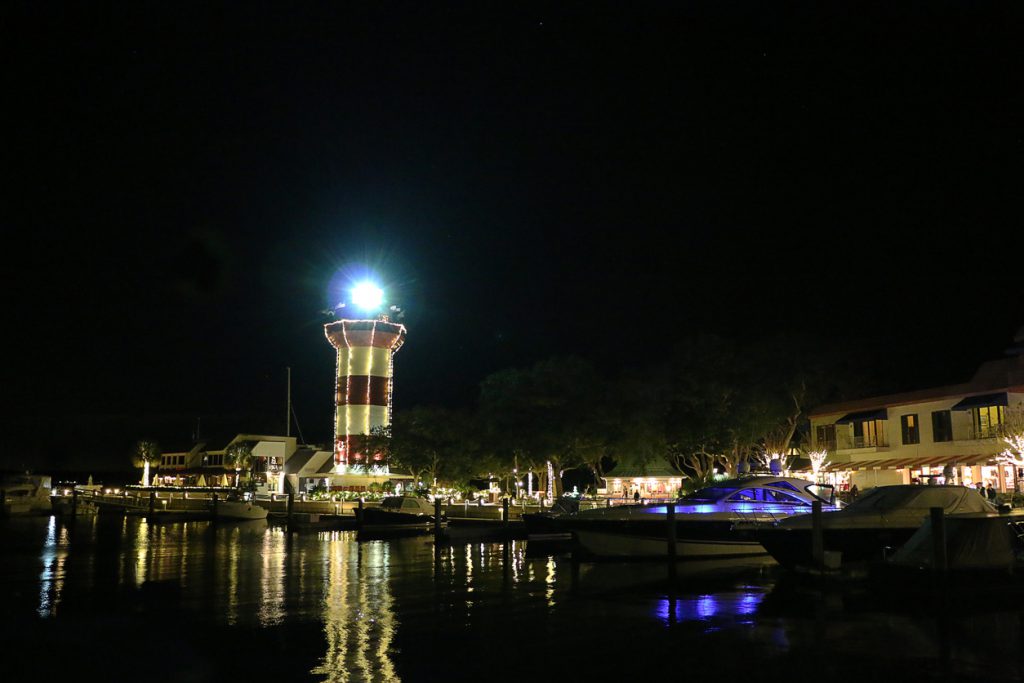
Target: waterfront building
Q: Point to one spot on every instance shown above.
(948, 434)
(279, 464)
(656, 480)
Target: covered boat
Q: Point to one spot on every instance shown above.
(872, 527)
(717, 521)
(399, 513)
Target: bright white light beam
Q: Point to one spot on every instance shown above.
(367, 296)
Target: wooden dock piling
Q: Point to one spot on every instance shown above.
(74, 502)
(152, 503)
(817, 537)
(437, 522)
(940, 561)
(506, 523)
(670, 534)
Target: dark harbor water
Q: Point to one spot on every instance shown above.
(120, 599)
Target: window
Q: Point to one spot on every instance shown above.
(942, 426)
(911, 433)
(745, 494)
(784, 498)
(987, 421)
(868, 433)
(826, 437)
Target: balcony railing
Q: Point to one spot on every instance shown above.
(989, 432)
(862, 442)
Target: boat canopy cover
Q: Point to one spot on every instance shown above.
(986, 541)
(900, 506)
(952, 499)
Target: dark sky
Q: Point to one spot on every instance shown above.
(184, 182)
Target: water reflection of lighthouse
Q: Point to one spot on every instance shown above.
(362, 393)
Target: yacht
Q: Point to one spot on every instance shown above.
(872, 527)
(544, 526)
(26, 494)
(400, 513)
(715, 522)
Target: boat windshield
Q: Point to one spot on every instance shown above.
(711, 493)
(392, 503)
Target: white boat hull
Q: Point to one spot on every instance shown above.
(240, 511)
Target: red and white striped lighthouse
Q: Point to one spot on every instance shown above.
(362, 394)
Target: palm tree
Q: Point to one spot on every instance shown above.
(239, 456)
(147, 452)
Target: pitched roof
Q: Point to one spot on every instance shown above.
(1006, 373)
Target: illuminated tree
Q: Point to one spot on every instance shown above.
(818, 459)
(1012, 434)
(147, 453)
(239, 456)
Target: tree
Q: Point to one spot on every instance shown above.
(1012, 434)
(147, 453)
(430, 443)
(554, 411)
(729, 404)
(239, 456)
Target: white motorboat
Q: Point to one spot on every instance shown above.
(240, 510)
(715, 522)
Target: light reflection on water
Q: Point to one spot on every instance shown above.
(711, 608)
(383, 610)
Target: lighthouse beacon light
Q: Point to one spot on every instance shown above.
(367, 296)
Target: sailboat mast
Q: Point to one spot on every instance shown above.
(288, 417)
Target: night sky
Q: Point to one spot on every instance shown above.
(185, 182)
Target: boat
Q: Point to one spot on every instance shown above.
(715, 522)
(239, 510)
(869, 529)
(543, 527)
(26, 494)
(400, 514)
(976, 543)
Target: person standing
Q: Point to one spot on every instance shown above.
(992, 493)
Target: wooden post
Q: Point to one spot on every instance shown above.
(437, 521)
(505, 515)
(152, 502)
(670, 528)
(3, 502)
(291, 507)
(74, 502)
(215, 507)
(939, 559)
(817, 537)
(359, 515)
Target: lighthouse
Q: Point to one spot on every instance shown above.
(365, 345)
